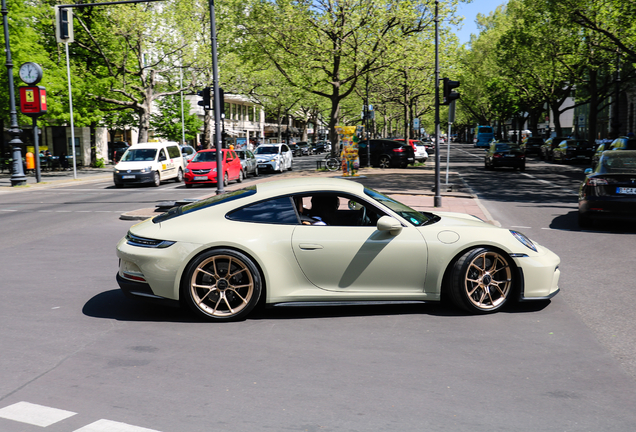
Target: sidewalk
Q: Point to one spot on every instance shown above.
(413, 186)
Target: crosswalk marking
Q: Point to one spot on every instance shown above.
(34, 414)
(112, 426)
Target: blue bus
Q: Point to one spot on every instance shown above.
(483, 136)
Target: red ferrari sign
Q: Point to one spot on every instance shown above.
(33, 100)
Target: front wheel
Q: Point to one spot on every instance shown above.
(221, 285)
(481, 281)
(291, 166)
(156, 180)
(256, 172)
(226, 179)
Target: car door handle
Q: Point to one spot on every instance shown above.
(309, 246)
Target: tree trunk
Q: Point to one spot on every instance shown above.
(592, 116)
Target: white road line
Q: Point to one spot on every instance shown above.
(7, 210)
(38, 415)
(112, 426)
(518, 226)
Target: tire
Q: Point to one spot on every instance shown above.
(481, 281)
(240, 179)
(156, 180)
(385, 162)
(256, 172)
(522, 167)
(226, 179)
(291, 166)
(179, 178)
(119, 185)
(221, 285)
(584, 221)
(188, 185)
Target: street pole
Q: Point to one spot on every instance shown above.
(182, 115)
(366, 123)
(437, 201)
(217, 104)
(70, 106)
(17, 177)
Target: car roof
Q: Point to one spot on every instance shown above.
(154, 144)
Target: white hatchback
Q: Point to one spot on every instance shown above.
(275, 157)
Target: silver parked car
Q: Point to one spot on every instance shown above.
(248, 162)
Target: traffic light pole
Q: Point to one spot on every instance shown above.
(438, 197)
(217, 104)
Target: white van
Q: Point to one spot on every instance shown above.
(149, 163)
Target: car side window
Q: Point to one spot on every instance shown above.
(284, 148)
(325, 209)
(279, 211)
(162, 155)
(174, 152)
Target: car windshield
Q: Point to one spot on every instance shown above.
(138, 155)
(267, 150)
(240, 153)
(413, 216)
(506, 147)
(208, 156)
(617, 163)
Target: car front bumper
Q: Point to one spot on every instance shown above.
(133, 178)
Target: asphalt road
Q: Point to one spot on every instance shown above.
(70, 341)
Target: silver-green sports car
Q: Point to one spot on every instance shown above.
(326, 240)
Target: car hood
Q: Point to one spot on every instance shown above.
(201, 165)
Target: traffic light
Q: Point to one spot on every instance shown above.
(222, 101)
(64, 24)
(450, 94)
(205, 94)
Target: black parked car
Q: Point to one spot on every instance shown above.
(549, 145)
(573, 150)
(609, 191)
(505, 154)
(386, 153)
(532, 145)
(116, 149)
(305, 148)
(296, 150)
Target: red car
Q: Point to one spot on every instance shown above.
(202, 168)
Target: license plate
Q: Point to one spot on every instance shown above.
(581, 157)
(200, 177)
(510, 156)
(262, 166)
(626, 190)
(128, 177)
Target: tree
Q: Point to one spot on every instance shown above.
(324, 47)
(167, 123)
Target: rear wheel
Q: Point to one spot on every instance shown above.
(226, 179)
(240, 179)
(481, 281)
(221, 285)
(179, 178)
(385, 162)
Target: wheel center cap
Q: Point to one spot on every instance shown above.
(486, 280)
(222, 284)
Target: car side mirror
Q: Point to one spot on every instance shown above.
(387, 223)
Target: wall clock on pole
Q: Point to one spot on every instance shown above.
(31, 73)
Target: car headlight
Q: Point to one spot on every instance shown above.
(146, 169)
(524, 240)
(187, 171)
(214, 169)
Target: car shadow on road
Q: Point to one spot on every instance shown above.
(569, 222)
(114, 305)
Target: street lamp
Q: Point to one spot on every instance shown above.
(17, 178)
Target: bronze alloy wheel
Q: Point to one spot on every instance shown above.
(481, 281)
(222, 285)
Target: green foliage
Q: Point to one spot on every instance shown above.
(167, 123)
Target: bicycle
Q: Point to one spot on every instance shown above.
(333, 163)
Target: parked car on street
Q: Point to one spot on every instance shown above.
(305, 148)
(505, 154)
(548, 146)
(609, 190)
(318, 147)
(296, 150)
(188, 152)
(203, 170)
(573, 150)
(248, 162)
(532, 145)
(152, 163)
(274, 157)
(266, 246)
(621, 143)
(116, 150)
(430, 146)
(386, 153)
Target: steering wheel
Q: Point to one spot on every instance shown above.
(363, 217)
